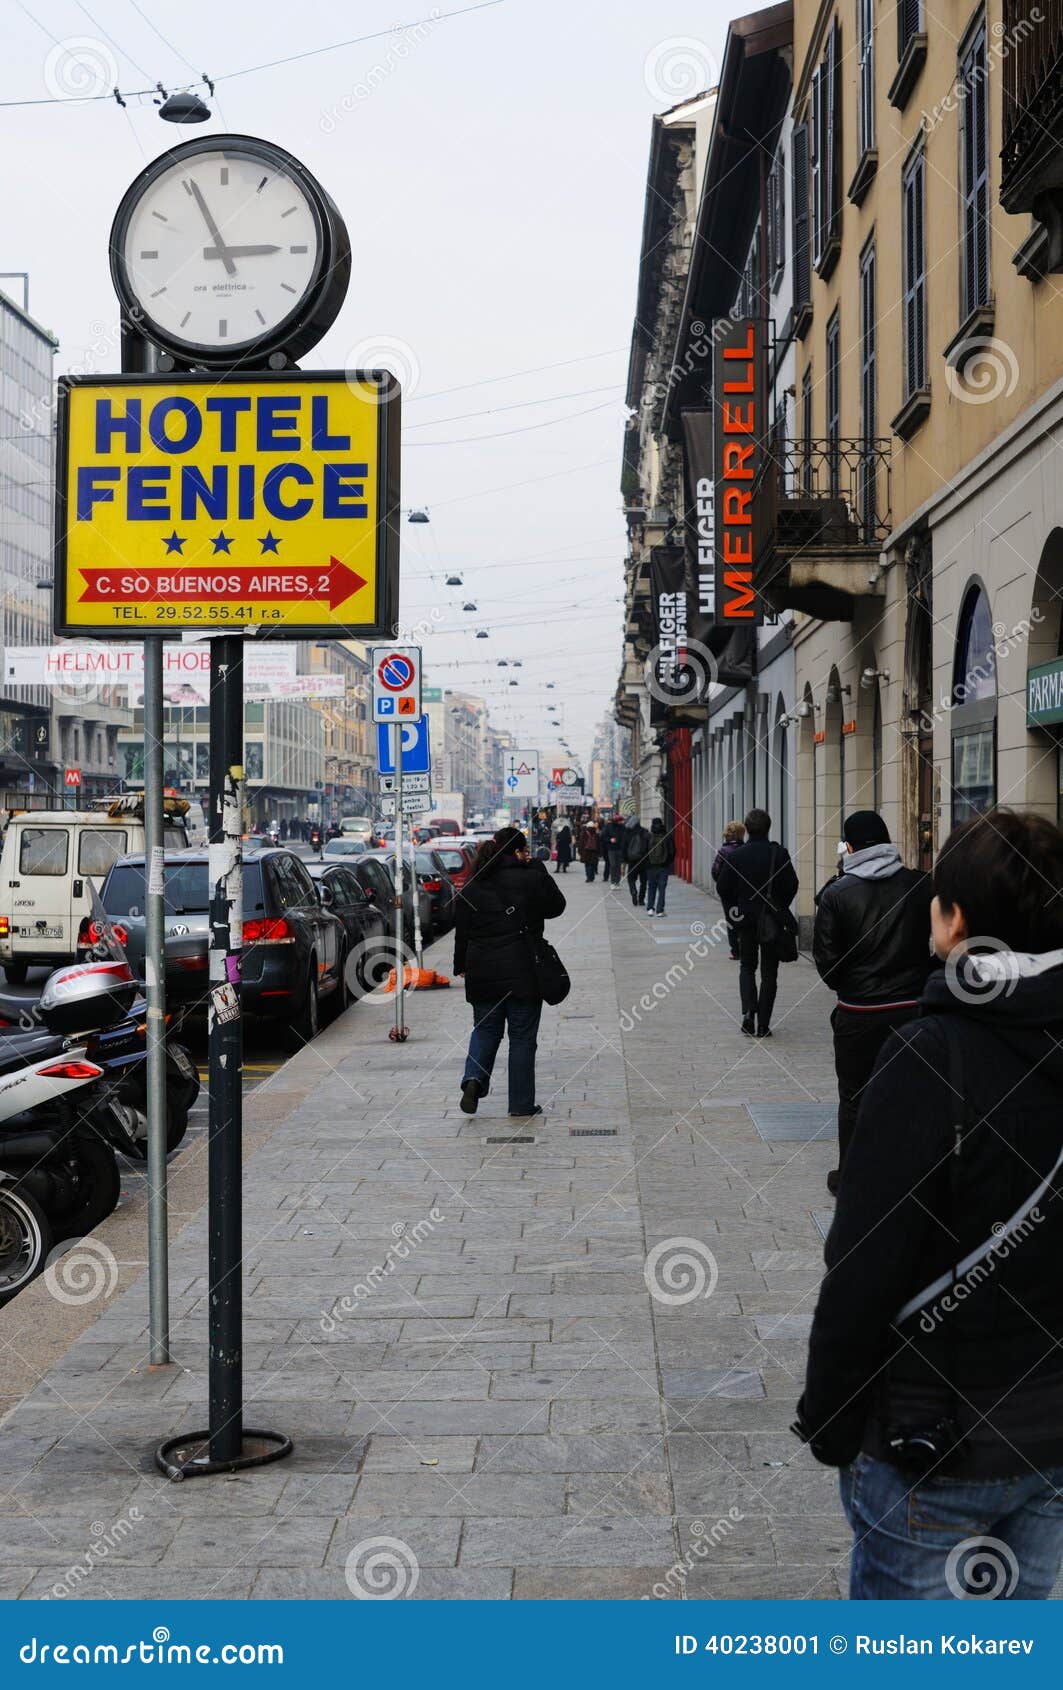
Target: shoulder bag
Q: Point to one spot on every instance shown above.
(775, 924)
(551, 975)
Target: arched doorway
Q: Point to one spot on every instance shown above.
(806, 804)
(974, 709)
(781, 761)
(832, 768)
(918, 808)
(1044, 774)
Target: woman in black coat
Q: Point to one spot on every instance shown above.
(500, 913)
(564, 849)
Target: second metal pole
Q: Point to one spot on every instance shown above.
(400, 960)
(155, 982)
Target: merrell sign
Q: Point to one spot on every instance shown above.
(738, 396)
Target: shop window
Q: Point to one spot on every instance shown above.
(974, 711)
(876, 753)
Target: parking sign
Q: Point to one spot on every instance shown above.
(396, 683)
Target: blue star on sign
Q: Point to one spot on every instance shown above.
(268, 542)
(174, 543)
(222, 542)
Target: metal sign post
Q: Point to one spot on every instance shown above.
(399, 1033)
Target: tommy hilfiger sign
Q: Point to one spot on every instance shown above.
(738, 402)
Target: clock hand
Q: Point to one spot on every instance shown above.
(213, 227)
(237, 251)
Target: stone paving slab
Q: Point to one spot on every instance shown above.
(558, 1370)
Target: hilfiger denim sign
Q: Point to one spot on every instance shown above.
(738, 395)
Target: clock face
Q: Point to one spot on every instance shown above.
(220, 248)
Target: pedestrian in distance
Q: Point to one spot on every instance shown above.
(636, 845)
(499, 917)
(935, 1365)
(870, 943)
(588, 850)
(564, 849)
(659, 859)
(612, 840)
(757, 884)
(734, 835)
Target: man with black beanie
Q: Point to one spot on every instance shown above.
(871, 943)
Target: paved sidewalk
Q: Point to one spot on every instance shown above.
(460, 1334)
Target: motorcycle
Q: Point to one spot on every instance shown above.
(55, 1146)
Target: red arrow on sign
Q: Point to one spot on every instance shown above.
(190, 583)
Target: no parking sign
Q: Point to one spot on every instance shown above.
(396, 682)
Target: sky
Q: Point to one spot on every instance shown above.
(491, 170)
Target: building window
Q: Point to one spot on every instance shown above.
(974, 174)
(876, 752)
(974, 710)
(865, 28)
(913, 268)
(826, 154)
(801, 230)
(868, 388)
(909, 23)
(776, 221)
(806, 430)
(834, 381)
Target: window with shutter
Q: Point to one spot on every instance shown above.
(833, 397)
(826, 155)
(868, 387)
(909, 23)
(776, 221)
(914, 273)
(801, 232)
(806, 430)
(816, 144)
(866, 59)
(974, 175)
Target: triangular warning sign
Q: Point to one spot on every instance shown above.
(523, 770)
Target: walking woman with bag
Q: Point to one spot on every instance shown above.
(510, 970)
(757, 884)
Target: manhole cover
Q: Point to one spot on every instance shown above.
(511, 1138)
(592, 1132)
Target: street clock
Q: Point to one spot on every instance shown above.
(225, 250)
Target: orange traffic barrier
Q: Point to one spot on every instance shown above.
(416, 980)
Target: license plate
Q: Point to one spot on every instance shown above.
(50, 932)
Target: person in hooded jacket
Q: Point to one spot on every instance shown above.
(588, 849)
(611, 841)
(871, 943)
(500, 912)
(660, 856)
(564, 849)
(935, 1365)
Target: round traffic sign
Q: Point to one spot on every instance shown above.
(395, 672)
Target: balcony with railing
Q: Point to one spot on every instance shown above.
(1032, 129)
(821, 514)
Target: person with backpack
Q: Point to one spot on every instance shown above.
(733, 836)
(757, 884)
(636, 845)
(935, 1363)
(870, 945)
(498, 921)
(612, 844)
(659, 860)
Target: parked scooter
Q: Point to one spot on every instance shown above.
(25, 1238)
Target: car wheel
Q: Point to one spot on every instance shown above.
(15, 973)
(307, 1023)
(340, 999)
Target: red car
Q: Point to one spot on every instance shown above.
(456, 859)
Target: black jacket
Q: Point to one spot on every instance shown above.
(636, 844)
(909, 1210)
(489, 948)
(871, 940)
(655, 840)
(612, 836)
(758, 866)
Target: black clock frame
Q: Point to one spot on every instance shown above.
(312, 315)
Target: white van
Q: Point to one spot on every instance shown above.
(358, 827)
(50, 862)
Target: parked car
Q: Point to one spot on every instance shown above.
(345, 846)
(456, 857)
(437, 883)
(445, 824)
(365, 926)
(360, 827)
(294, 951)
(376, 871)
(50, 864)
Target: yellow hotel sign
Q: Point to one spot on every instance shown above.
(195, 502)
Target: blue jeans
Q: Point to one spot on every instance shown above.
(489, 1023)
(656, 882)
(935, 1539)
